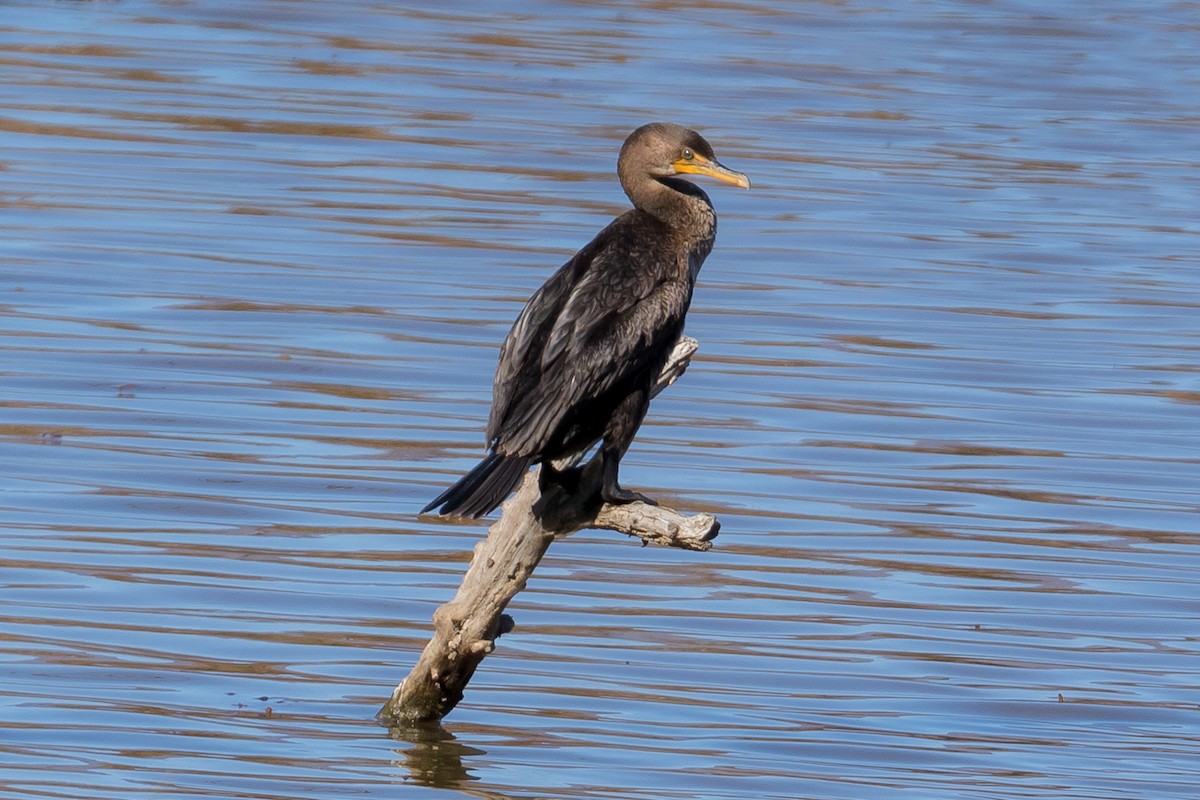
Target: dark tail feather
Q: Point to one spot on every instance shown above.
(483, 488)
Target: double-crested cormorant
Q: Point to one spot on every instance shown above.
(580, 361)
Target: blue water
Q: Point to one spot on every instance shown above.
(255, 262)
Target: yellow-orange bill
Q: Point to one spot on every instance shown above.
(713, 169)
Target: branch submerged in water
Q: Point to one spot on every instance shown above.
(465, 628)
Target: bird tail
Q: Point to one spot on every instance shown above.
(483, 488)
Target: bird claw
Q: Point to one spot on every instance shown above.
(618, 496)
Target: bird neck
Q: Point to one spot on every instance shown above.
(679, 203)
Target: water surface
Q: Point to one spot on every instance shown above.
(255, 262)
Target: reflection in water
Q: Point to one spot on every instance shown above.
(435, 758)
(256, 260)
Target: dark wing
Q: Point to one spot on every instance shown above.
(607, 317)
(517, 371)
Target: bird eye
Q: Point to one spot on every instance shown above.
(688, 155)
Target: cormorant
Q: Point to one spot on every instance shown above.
(578, 364)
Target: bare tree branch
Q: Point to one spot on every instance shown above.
(465, 628)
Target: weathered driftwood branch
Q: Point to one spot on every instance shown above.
(465, 629)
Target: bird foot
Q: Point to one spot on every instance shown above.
(567, 479)
(618, 496)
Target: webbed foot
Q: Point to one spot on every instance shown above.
(617, 496)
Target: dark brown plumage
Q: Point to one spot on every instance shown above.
(579, 363)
